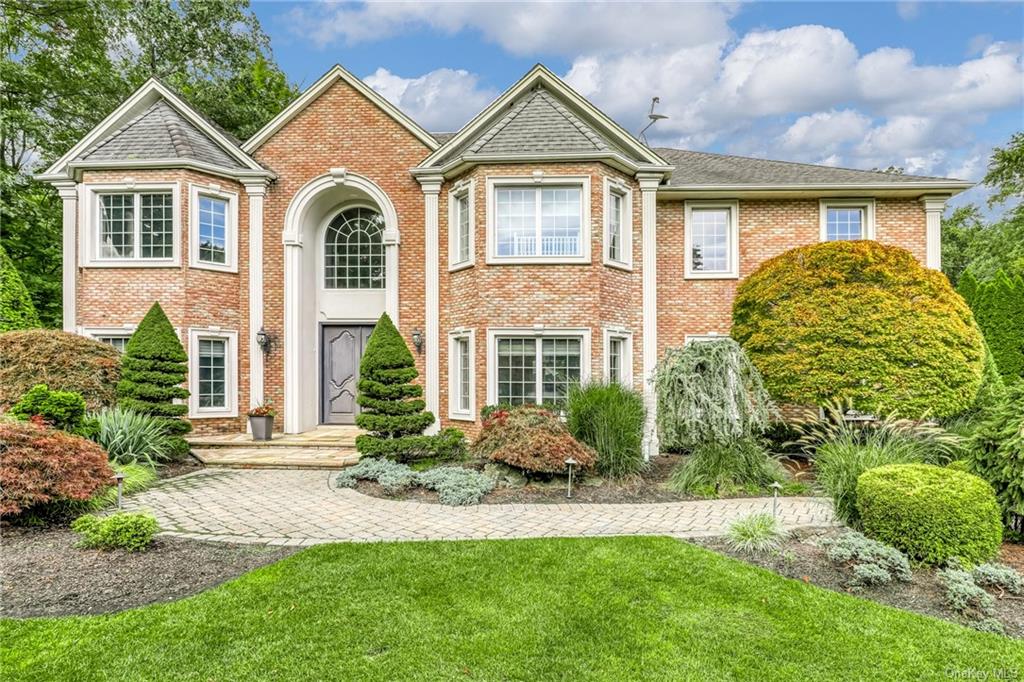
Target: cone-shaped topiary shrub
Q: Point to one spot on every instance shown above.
(862, 321)
(16, 308)
(153, 370)
(393, 411)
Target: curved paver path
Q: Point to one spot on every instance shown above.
(303, 508)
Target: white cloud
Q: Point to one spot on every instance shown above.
(521, 28)
(908, 9)
(442, 100)
(825, 133)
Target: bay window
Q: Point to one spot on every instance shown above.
(545, 222)
(136, 226)
(213, 223)
(618, 353)
(618, 225)
(461, 375)
(531, 368)
(460, 226)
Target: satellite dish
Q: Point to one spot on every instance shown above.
(652, 117)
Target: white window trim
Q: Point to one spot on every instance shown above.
(734, 240)
(230, 229)
(869, 214)
(538, 332)
(461, 189)
(230, 373)
(96, 333)
(615, 187)
(454, 412)
(538, 179)
(708, 336)
(627, 354)
(90, 214)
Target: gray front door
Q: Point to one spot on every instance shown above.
(341, 347)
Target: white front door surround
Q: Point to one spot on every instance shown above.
(306, 306)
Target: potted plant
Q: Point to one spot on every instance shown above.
(261, 421)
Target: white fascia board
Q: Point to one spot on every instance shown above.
(540, 73)
(615, 160)
(811, 190)
(232, 173)
(321, 86)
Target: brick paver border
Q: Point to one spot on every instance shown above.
(302, 507)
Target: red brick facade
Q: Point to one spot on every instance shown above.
(342, 128)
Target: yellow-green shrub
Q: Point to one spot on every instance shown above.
(861, 321)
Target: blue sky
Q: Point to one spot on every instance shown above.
(927, 86)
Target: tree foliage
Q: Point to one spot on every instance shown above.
(998, 307)
(860, 321)
(153, 369)
(709, 392)
(68, 63)
(16, 308)
(998, 452)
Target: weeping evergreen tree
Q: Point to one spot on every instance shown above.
(709, 392)
(153, 369)
(393, 410)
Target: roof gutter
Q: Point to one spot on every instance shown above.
(908, 188)
(76, 168)
(614, 159)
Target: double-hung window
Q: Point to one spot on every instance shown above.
(532, 369)
(847, 220)
(546, 222)
(461, 376)
(460, 226)
(712, 240)
(618, 365)
(213, 224)
(618, 233)
(213, 373)
(136, 226)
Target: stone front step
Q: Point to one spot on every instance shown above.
(321, 438)
(276, 457)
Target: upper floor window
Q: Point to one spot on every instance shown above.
(213, 226)
(354, 250)
(847, 220)
(460, 226)
(618, 239)
(138, 225)
(541, 223)
(712, 240)
(213, 213)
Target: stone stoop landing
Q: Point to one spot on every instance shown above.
(326, 447)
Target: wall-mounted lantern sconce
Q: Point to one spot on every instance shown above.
(264, 340)
(417, 340)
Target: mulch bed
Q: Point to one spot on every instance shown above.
(802, 558)
(645, 488)
(173, 469)
(44, 574)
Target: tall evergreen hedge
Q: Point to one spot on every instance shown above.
(153, 369)
(393, 410)
(860, 321)
(998, 306)
(16, 308)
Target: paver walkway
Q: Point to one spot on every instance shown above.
(302, 507)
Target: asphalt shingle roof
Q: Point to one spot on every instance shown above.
(159, 132)
(536, 124)
(704, 168)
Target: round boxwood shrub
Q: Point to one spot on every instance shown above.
(62, 361)
(862, 321)
(930, 513)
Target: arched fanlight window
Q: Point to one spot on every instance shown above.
(354, 250)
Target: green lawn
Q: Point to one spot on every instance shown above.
(608, 609)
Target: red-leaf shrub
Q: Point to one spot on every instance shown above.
(532, 439)
(40, 465)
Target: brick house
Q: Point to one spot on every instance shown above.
(539, 245)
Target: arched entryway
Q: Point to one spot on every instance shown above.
(341, 272)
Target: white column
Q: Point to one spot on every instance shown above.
(69, 255)
(934, 206)
(432, 333)
(649, 243)
(293, 416)
(256, 192)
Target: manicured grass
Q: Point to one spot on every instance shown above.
(607, 609)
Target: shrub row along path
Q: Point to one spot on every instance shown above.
(297, 507)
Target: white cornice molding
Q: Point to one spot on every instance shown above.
(76, 168)
(318, 88)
